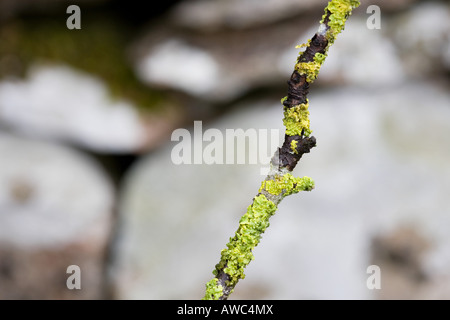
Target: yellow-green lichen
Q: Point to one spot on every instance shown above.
(296, 120)
(213, 290)
(311, 69)
(287, 185)
(319, 57)
(339, 11)
(294, 146)
(239, 250)
(303, 45)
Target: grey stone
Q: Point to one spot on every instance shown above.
(422, 39)
(55, 211)
(209, 16)
(215, 67)
(238, 14)
(59, 103)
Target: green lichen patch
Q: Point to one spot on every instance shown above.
(213, 290)
(339, 11)
(287, 185)
(311, 69)
(303, 45)
(319, 57)
(296, 120)
(239, 250)
(294, 144)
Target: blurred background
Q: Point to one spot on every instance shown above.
(87, 179)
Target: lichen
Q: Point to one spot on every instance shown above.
(303, 45)
(339, 11)
(294, 146)
(296, 120)
(311, 69)
(213, 290)
(239, 250)
(319, 57)
(287, 184)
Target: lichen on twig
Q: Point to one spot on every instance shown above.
(298, 140)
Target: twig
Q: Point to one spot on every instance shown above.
(280, 182)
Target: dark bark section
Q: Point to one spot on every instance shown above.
(287, 159)
(298, 87)
(318, 45)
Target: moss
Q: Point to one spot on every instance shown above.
(239, 250)
(296, 120)
(287, 185)
(213, 290)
